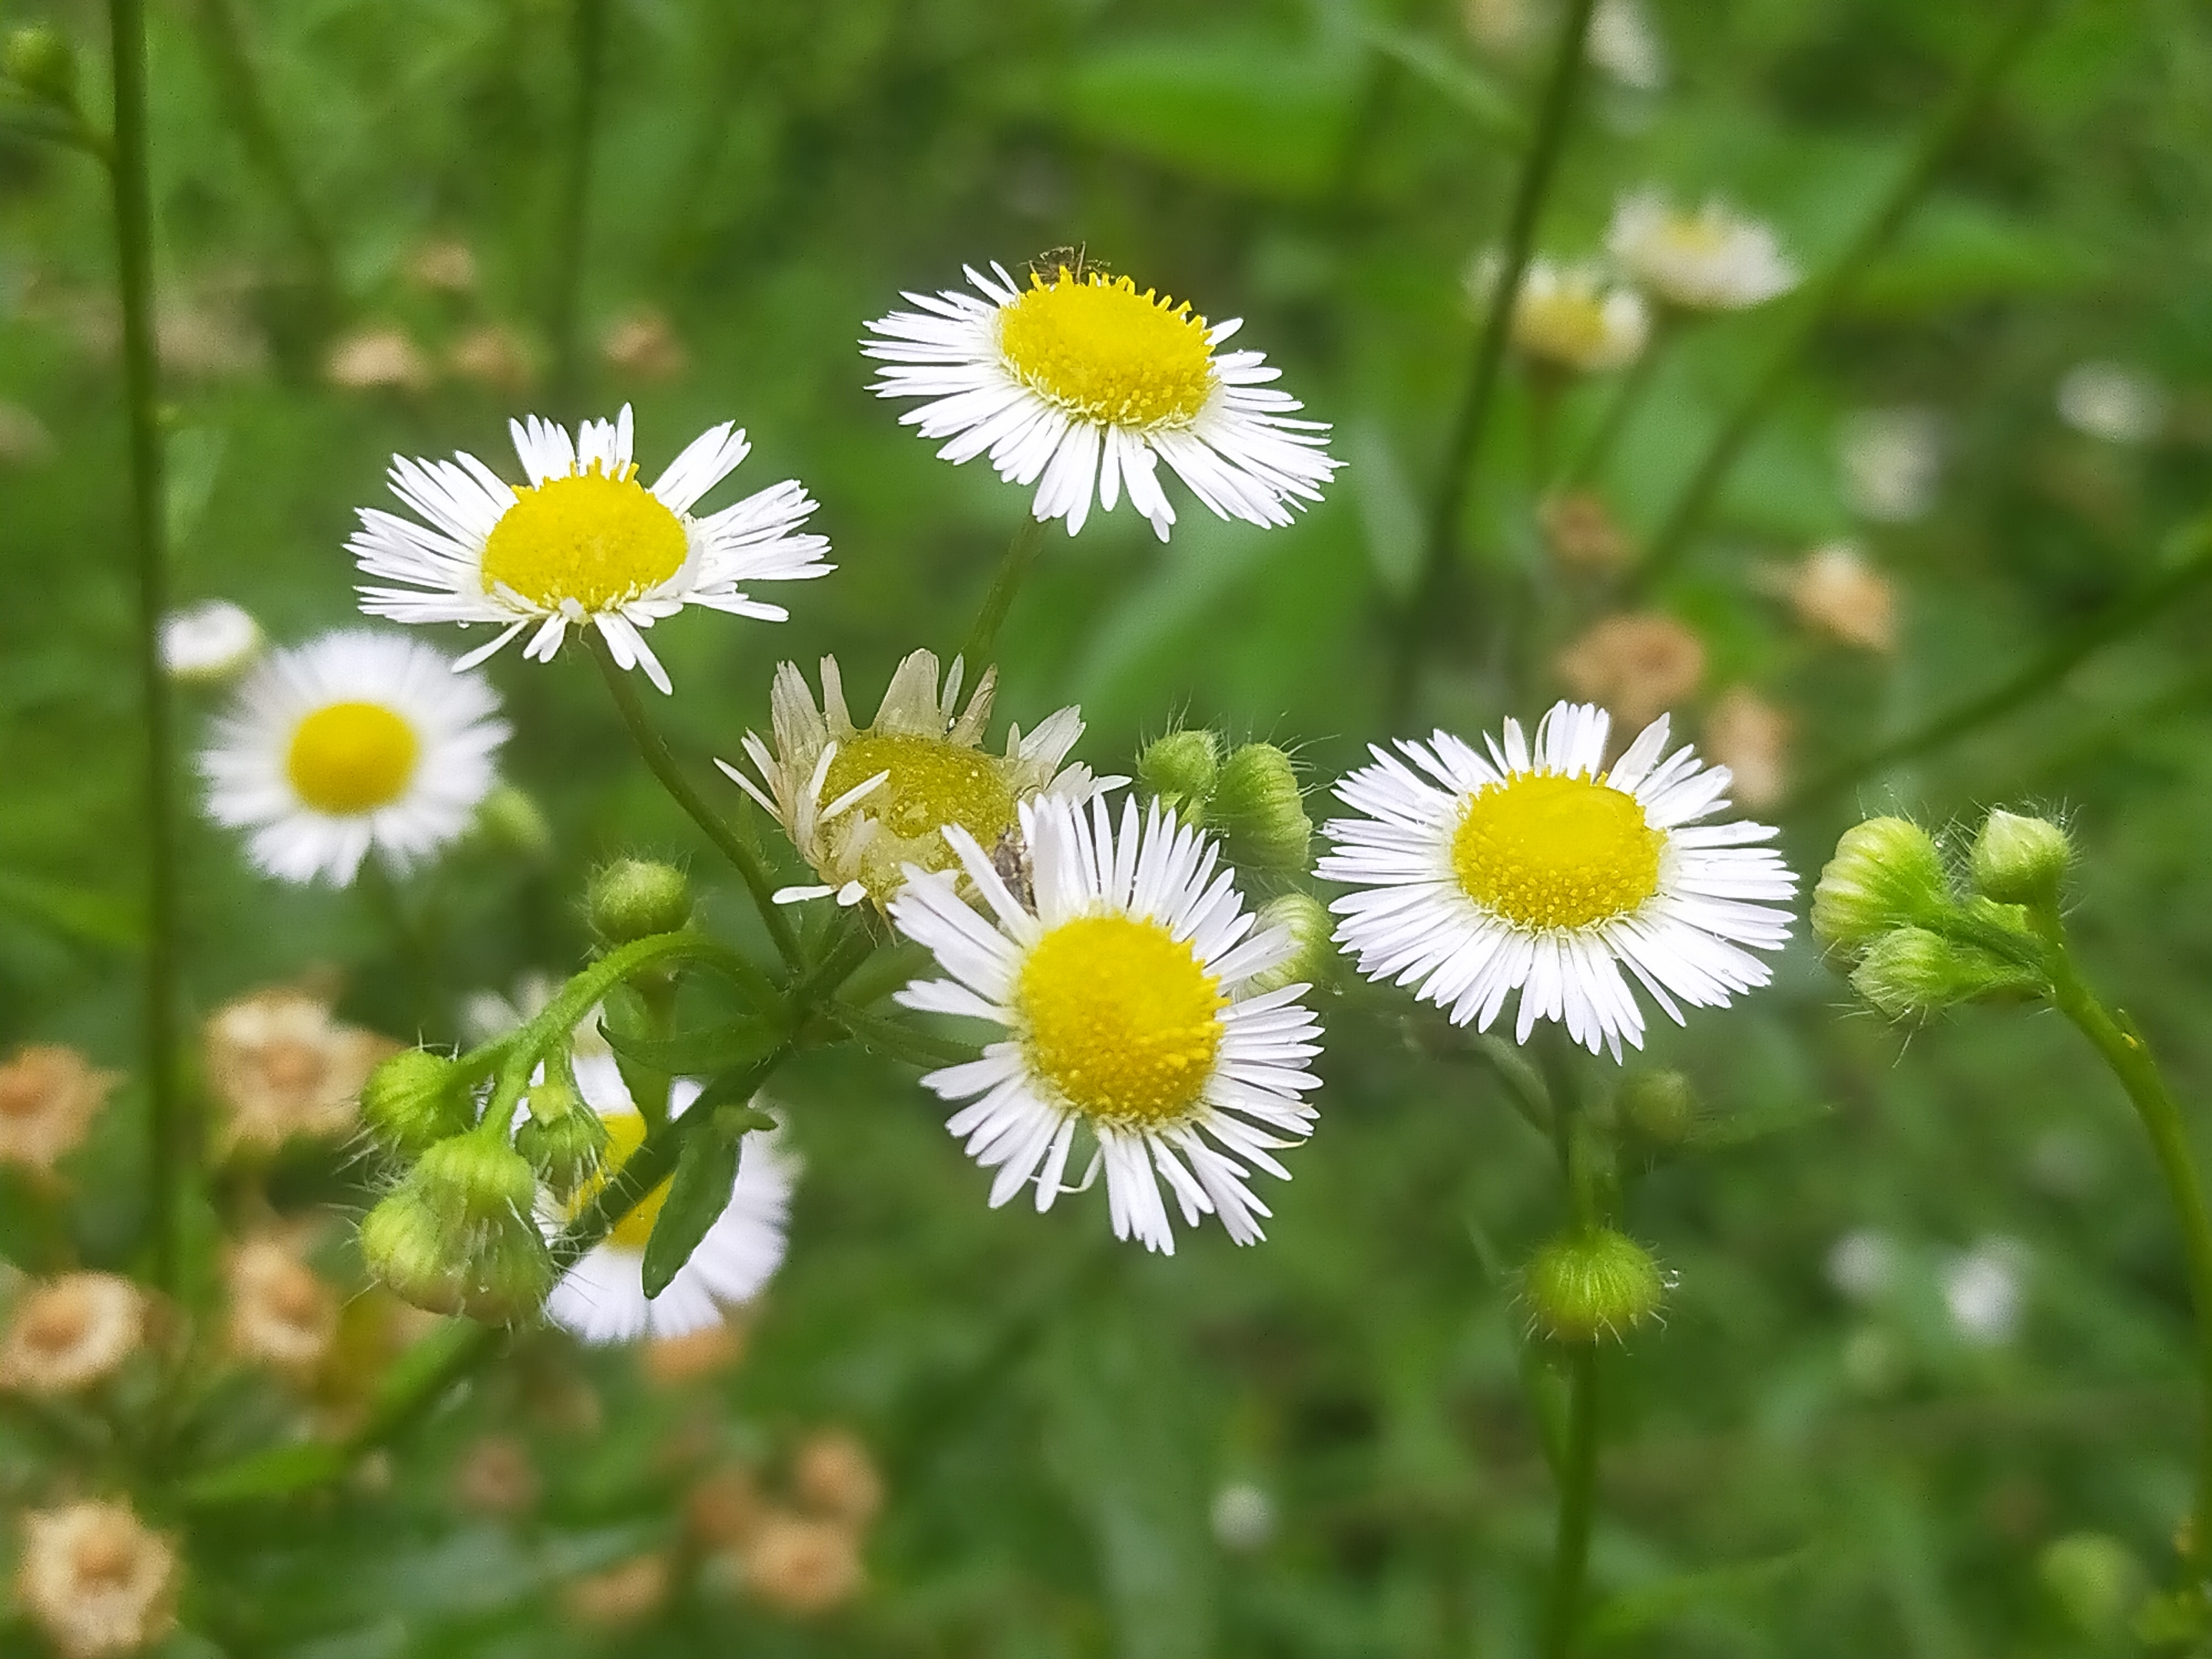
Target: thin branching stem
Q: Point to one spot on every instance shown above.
(572, 232)
(1577, 1504)
(172, 1163)
(1013, 570)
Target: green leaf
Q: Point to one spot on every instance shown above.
(692, 1053)
(1635, 1612)
(277, 1472)
(77, 913)
(699, 1191)
(1444, 71)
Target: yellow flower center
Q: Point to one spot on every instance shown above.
(1102, 350)
(1120, 1019)
(1569, 327)
(932, 783)
(1699, 237)
(351, 758)
(1544, 850)
(625, 1134)
(592, 539)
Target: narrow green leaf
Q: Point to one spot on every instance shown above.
(692, 1053)
(277, 1472)
(698, 1193)
(1446, 72)
(1635, 1612)
(1742, 1128)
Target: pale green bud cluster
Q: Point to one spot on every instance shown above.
(1917, 937)
(414, 1100)
(563, 1139)
(459, 1234)
(1250, 798)
(1592, 1283)
(1306, 918)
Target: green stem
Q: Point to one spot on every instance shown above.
(1463, 443)
(2189, 562)
(733, 845)
(1013, 570)
(2129, 1059)
(563, 325)
(172, 1163)
(1627, 396)
(1827, 296)
(1577, 1502)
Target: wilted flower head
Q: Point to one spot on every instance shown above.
(1573, 317)
(2112, 402)
(494, 356)
(645, 344)
(48, 1097)
(70, 1333)
(1582, 534)
(1892, 460)
(497, 1477)
(446, 265)
(208, 643)
(862, 804)
(802, 1566)
(1836, 592)
(675, 1361)
(280, 1064)
(1639, 666)
(833, 1476)
(282, 1314)
(96, 1580)
(374, 358)
(1713, 259)
(626, 1594)
(1751, 736)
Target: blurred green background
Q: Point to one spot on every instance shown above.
(1822, 1453)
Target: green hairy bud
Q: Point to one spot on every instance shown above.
(39, 58)
(1886, 874)
(1659, 1106)
(1910, 971)
(636, 898)
(510, 819)
(2021, 861)
(1258, 810)
(563, 1139)
(415, 1100)
(457, 1236)
(1592, 1283)
(1306, 918)
(1181, 769)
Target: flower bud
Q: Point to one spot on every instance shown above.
(1258, 810)
(1592, 1283)
(2096, 1580)
(1180, 769)
(564, 1139)
(1659, 1106)
(414, 1100)
(2021, 861)
(458, 1237)
(1306, 918)
(509, 817)
(636, 898)
(1912, 971)
(1886, 873)
(39, 58)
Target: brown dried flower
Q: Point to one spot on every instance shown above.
(1582, 533)
(281, 1065)
(673, 1361)
(72, 1332)
(1638, 666)
(834, 1476)
(96, 1580)
(644, 343)
(624, 1595)
(725, 1509)
(497, 1477)
(48, 1096)
(377, 357)
(802, 1566)
(1750, 736)
(1837, 593)
(282, 1314)
(444, 265)
(496, 356)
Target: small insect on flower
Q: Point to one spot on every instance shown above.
(1080, 383)
(1543, 871)
(602, 1298)
(861, 803)
(1713, 259)
(582, 543)
(1128, 993)
(353, 742)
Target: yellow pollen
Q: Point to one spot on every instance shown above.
(1120, 1019)
(1544, 850)
(592, 539)
(932, 783)
(352, 758)
(625, 1134)
(1103, 351)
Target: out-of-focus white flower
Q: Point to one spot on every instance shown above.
(1892, 460)
(1243, 1517)
(1985, 1292)
(207, 644)
(1570, 316)
(1714, 259)
(1623, 43)
(1836, 592)
(2112, 402)
(1863, 1264)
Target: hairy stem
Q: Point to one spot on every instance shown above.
(1577, 1502)
(1463, 443)
(733, 845)
(1826, 294)
(563, 319)
(1013, 570)
(172, 1165)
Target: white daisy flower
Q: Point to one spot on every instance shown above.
(1570, 316)
(602, 1298)
(208, 643)
(582, 541)
(354, 741)
(1538, 870)
(1082, 384)
(1125, 981)
(1710, 260)
(861, 803)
